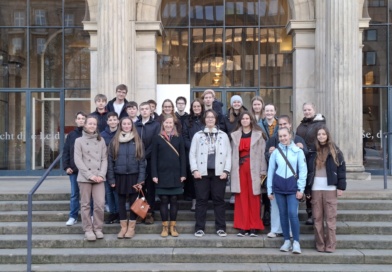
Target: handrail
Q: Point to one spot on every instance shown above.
(384, 156)
(30, 210)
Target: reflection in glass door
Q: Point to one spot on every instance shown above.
(3, 129)
(45, 134)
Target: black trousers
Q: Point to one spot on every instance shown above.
(149, 188)
(122, 199)
(216, 187)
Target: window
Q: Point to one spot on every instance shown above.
(370, 58)
(371, 35)
(16, 45)
(19, 18)
(40, 17)
(69, 20)
(40, 45)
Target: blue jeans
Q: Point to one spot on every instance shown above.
(111, 198)
(288, 210)
(74, 205)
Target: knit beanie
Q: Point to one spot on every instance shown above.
(235, 98)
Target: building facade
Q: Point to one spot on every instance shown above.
(56, 55)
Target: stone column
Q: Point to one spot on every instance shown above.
(339, 76)
(115, 47)
(304, 89)
(146, 59)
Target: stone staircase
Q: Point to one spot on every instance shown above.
(364, 231)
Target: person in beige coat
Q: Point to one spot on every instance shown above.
(248, 167)
(90, 157)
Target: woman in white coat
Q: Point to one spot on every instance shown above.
(210, 161)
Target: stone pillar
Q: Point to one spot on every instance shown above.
(146, 59)
(115, 62)
(304, 71)
(339, 76)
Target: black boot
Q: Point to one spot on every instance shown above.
(309, 221)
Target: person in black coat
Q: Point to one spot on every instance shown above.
(101, 112)
(230, 120)
(325, 182)
(168, 172)
(310, 124)
(110, 193)
(147, 128)
(191, 126)
(70, 167)
(126, 172)
(307, 130)
(118, 104)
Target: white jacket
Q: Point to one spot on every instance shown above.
(198, 154)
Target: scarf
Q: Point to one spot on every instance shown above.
(125, 137)
(167, 137)
(322, 155)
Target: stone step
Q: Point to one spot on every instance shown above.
(201, 267)
(62, 205)
(64, 194)
(190, 255)
(364, 241)
(342, 227)
(184, 215)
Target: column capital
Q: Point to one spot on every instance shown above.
(92, 28)
(152, 26)
(364, 23)
(293, 25)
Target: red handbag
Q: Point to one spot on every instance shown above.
(140, 206)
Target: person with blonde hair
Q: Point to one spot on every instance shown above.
(91, 159)
(168, 171)
(307, 130)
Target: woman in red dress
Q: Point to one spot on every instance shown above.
(248, 168)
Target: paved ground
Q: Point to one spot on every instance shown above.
(60, 184)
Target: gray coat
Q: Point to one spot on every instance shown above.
(258, 165)
(90, 157)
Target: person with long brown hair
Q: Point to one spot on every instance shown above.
(126, 172)
(326, 182)
(191, 125)
(258, 109)
(168, 171)
(168, 109)
(247, 167)
(90, 155)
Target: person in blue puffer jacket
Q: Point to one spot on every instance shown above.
(287, 187)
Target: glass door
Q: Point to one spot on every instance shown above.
(45, 129)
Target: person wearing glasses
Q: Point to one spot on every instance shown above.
(168, 109)
(210, 161)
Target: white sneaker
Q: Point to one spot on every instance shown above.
(296, 248)
(71, 221)
(286, 246)
(221, 233)
(199, 233)
(271, 235)
(232, 199)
